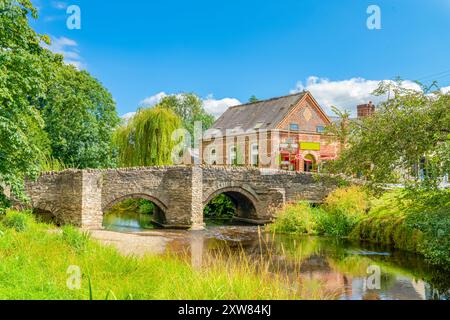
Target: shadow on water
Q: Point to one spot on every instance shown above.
(341, 268)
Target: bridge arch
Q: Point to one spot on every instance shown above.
(245, 201)
(159, 216)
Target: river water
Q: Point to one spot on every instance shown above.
(338, 269)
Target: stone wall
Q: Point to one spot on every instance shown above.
(81, 197)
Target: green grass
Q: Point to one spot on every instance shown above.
(35, 260)
(418, 222)
(295, 218)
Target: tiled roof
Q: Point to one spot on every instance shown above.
(264, 114)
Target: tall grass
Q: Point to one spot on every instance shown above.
(34, 264)
(419, 224)
(336, 217)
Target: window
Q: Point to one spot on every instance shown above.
(320, 129)
(213, 157)
(254, 156)
(294, 127)
(233, 155)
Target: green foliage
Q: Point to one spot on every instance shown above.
(341, 211)
(336, 224)
(429, 213)
(34, 267)
(19, 221)
(47, 108)
(221, 207)
(80, 118)
(297, 218)
(419, 224)
(339, 130)
(74, 238)
(253, 99)
(407, 137)
(145, 206)
(141, 206)
(416, 222)
(353, 201)
(147, 138)
(189, 107)
(23, 75)
(49, 163)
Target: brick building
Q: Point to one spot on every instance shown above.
(280, 133)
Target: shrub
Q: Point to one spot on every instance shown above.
(19, 221)
(75, 238)
(336, 224)
(353, 201)
(420, 225)
(431, 217)
(341, 211)
(294, 218)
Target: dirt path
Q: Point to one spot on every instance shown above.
(132, 244)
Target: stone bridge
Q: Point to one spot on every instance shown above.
(81, 197)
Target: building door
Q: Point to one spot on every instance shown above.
(309, 163)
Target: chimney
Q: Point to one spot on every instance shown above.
(366, 110)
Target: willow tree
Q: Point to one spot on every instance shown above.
(146, 139)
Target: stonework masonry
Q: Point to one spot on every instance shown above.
(81, 197)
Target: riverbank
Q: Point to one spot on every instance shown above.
(38, 264)
(229, 262)
(419, 224)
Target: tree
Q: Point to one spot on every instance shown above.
(45, 105)
(409, 133)
(23, 75)
(147, 138)
(189, 107)
(253, 98)
(80, 117)
(339, 130)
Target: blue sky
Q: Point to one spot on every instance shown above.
(226, 51)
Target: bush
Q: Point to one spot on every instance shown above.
(341, 211)
(430, 215)
(350, 201)
(420, 224)
(75, 238)
(336, 224)
(294, 218)
(19, 221)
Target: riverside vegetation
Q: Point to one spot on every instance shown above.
(419, 223)
(35, 259)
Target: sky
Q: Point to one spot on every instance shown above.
(227, 51)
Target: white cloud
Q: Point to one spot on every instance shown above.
(128, 116)
(445, 89)
(345, 94)
(69, 49)
(153, 100)
(60, 5)
(217, 107)
(213, 106)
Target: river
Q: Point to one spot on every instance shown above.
(339, 269)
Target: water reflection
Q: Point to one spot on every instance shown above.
(129, 221)
(338, 268)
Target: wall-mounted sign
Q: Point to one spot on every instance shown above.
(312, 146)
